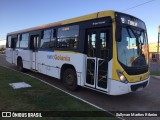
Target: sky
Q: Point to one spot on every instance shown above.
(21, 14)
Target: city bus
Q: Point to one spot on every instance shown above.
(105, 51)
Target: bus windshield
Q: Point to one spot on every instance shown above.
(133, 48)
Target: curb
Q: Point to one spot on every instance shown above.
(156, 77)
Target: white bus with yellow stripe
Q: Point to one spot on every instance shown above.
(106, 51)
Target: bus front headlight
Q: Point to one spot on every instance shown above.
(122, 77)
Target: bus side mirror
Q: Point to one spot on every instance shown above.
(118, 33)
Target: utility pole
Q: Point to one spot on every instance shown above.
(158, 42)
(158, 55)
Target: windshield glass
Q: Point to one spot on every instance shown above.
(133, 48)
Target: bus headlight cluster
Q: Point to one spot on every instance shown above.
(122, 77)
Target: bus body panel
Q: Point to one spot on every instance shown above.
(51, 62)
(9, 55)
(46, 64)
(14, 56)
(26, 57)
(119, 88)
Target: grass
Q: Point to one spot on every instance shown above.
(157, 73)
(39, 97)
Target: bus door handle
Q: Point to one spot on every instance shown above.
(98, 59)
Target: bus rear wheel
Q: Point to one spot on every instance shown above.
(20, 65)
(70, 79)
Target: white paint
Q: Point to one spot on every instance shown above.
(119, 88)
(9, 55)
(48, 62)
(19, 85)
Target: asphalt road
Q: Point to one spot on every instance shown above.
(154, 66)
(146, 100)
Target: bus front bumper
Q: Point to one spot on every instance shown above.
(119, 88)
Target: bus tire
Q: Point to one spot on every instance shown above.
(70, 79)
(20, 65)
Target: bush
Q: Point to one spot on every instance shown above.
(2, 50)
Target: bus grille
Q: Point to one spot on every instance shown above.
(135, 87)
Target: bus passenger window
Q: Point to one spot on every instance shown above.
(18, 41)
(53, 39)
(46, 37)
(68, 37)
(9, 42)
(24, 40)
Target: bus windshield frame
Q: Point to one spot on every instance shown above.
(132, 42)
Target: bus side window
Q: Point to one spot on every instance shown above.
(24, 40)
(68, 37)
(18, 41)
(53, 39)
(45, 39)
(8, 45)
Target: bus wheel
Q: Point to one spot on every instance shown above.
(20, 65)
(70, 79)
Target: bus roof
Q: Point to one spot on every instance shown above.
(68, 21)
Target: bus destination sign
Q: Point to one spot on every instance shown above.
(130, 20)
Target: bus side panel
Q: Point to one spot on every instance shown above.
(71, 58)
(84, 70)
(50, 63)
(46, 64)
(26, 57)
(14, 57)
(9, 55)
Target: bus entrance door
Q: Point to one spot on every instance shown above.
(10, 52)
(14, 40)
(34, 41)
(97, 54)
